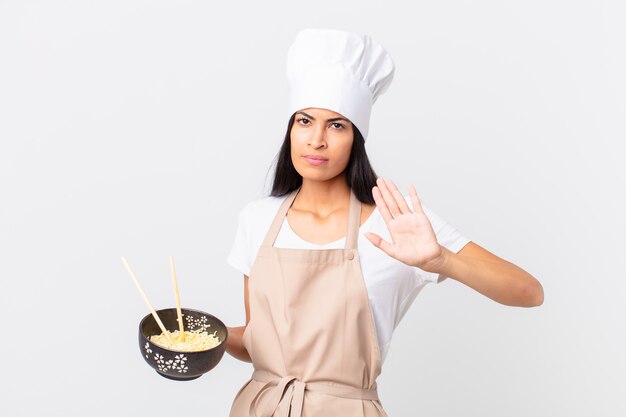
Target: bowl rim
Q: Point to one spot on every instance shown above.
(149, 315)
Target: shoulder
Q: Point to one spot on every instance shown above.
(257, 214)
(254, 219)
(261, 206)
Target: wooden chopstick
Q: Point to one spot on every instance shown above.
(145, 298)
(175, 284)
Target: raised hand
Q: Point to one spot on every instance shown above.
(413, 239)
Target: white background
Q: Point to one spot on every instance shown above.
(140, 128)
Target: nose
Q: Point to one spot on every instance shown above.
(317, 138)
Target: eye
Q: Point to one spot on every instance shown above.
(301, 119)
(338, 124)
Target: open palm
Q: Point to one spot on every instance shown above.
(413, 239)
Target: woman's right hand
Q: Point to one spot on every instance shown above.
(234, 344)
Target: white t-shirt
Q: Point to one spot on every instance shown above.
(391, 285)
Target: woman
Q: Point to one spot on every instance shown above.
(333, 258)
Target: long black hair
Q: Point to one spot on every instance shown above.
(359, 173)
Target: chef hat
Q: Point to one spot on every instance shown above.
(339, 71)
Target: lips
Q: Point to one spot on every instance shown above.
(315, 160)
(315, 157)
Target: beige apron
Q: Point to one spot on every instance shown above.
(311, 334)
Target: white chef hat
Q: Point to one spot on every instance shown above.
(337, 70)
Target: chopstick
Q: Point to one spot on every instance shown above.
(175, 284)
(143, 294)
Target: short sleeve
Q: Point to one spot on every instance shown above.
(239, 255)
(447, 236)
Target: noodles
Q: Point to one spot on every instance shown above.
(187, 341)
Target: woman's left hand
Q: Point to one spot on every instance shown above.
(413, 239)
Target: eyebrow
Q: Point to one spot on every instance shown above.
(327, 120)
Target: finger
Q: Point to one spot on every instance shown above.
(389, 200)
(400, 200)
(417, 205)
(380, 203)
(379, 242)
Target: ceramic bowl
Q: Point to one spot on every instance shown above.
(179, 365)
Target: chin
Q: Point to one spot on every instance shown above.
(314, 174)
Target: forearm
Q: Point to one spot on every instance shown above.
(502, 282)
(234, 344)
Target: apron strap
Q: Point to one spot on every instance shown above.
(354, 220)
(270, 236)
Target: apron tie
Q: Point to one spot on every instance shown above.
(290, 390)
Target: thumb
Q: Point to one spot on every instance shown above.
(379, 242)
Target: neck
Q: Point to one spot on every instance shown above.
(323, 197)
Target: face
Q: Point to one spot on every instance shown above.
(322, 134)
